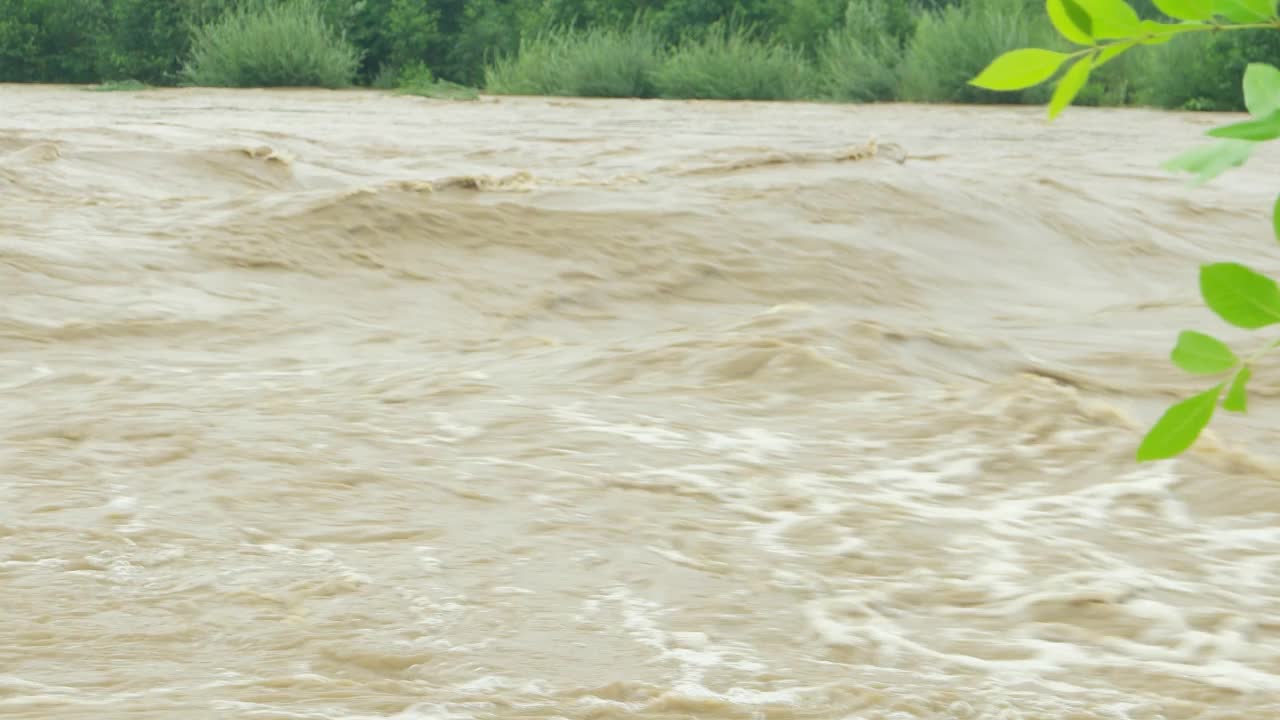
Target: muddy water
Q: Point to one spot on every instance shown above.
(342, 405)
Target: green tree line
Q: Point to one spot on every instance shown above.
(843, 50)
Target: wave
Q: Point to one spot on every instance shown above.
(765, 158)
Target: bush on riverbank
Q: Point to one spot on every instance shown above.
(860, 61)
(840, 50)
(50, 41)
(953, 45)
(730, 63)
(1209, 68)
(724, 63)
(420, 81)
(285, 45)
(595, 62)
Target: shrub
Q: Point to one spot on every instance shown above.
(1209, 69)
(869, 19)
(728, 63)
(952, 45)
(859, 61)
(677, 19)
(487, 29)
(419, 80)
(597, 62)
(805, 23)
(146, 40)
(50, 40)
(390, 33)
(281, 45)
(853, 70)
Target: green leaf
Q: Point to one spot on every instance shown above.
(1073, 80)
(1019, 69)
(1244, 11)
(1259, 130)
(1265, 8)
(1237, 399)
(1113, 18)
(1275, 218)
(1202, 354)
(1239, 295)
(1261, 89)
(1186, 9)
(1179, 426)
(1209, 161)
(1158, 33)
(1071, 21)
(1109, 53)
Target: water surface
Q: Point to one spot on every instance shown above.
(343, 405)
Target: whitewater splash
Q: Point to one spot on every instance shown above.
(346, 405)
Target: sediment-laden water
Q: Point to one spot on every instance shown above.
(341, 405)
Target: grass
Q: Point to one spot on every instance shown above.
(597, 62)
(859, 62)
(119, 86)
(852, 70)
(418, 80)
(276, 45)
(952, 46)
(729, 63)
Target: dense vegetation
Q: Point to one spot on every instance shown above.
(843, 50)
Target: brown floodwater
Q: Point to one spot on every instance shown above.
(343, 405)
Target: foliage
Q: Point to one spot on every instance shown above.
(858, 49)
(859, 60)
(484, 31)
(272, 45)
(1126, 80)
(730, 63)
(597, 62)
(687, 19)
(420, 81)
(144, 40)
(806, 23)
(952, 44)
(893, 19)
(88, 40)
(851, 70)
(1209, 69)
(1237, 294)
(390, 33)
(50, 40)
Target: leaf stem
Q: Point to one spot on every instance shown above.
(1272, 24)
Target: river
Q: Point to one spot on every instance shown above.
(346, 405)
